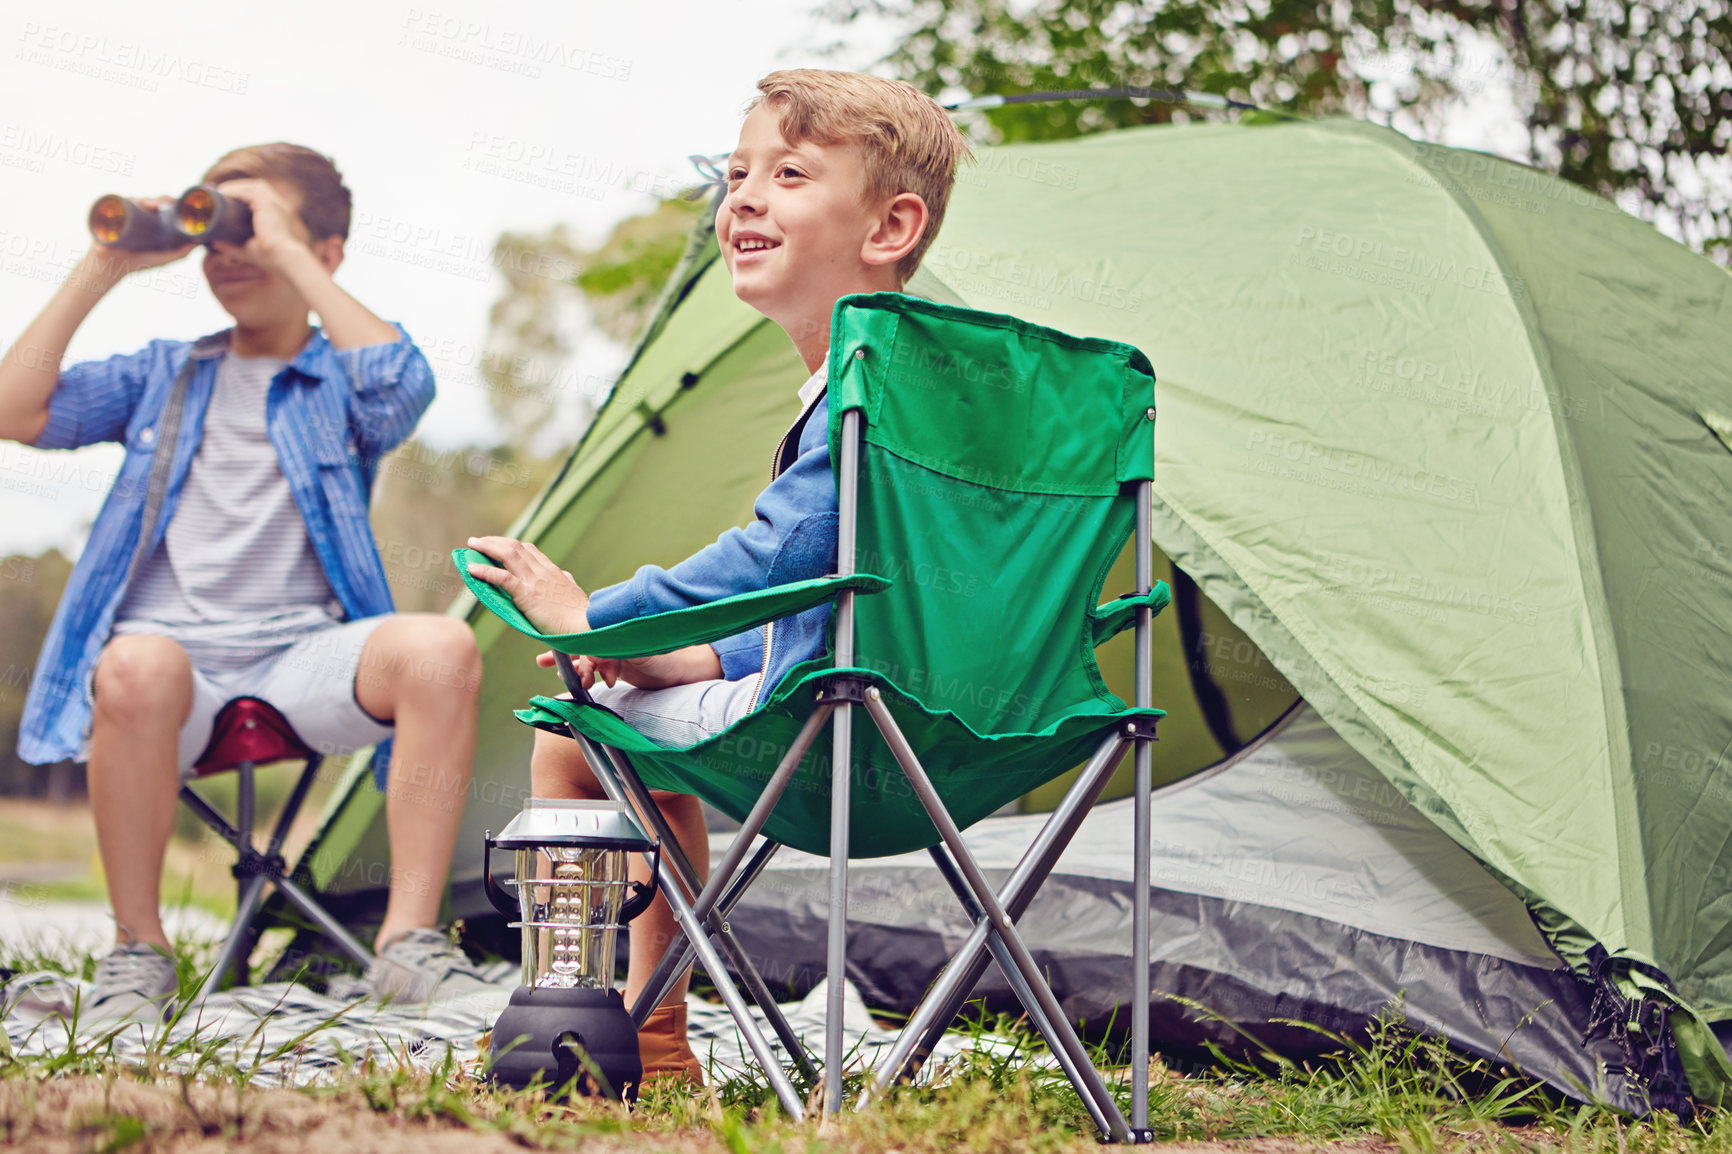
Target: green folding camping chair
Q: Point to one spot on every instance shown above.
(989, 473)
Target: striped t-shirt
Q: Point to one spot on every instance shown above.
(235, 577)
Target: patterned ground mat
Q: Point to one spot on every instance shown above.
(288, 1035)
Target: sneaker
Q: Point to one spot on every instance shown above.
(423, 966)
(135, 982)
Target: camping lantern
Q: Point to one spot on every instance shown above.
(566, 1019)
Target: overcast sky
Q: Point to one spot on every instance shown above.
(450, 122)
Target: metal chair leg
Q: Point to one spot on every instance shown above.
(836, 949)
(330, 926)
(1001, 925)
(255, 870)
(1142, 826)
(1018, 986)
(252, 895)
(957, 981)
(679, 954)
(620, 782)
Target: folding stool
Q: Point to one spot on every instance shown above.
(248, 732)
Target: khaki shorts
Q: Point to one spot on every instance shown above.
(310, 682)
(680, 715)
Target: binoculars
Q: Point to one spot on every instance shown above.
(202, 215)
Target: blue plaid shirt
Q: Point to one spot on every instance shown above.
(330, 413)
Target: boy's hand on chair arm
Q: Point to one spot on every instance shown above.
(546, 594)
(681, 667)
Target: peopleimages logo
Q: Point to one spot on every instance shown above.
(38, 147)
(1011, 279)
(135, 65)
(503, 48)
(1401, 261)
(1345, 470)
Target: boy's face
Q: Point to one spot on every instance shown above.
(795, 222)
(256, 296)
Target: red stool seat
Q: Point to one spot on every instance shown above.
(248, 729)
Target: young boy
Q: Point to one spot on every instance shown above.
(259, 575)
(837, 186)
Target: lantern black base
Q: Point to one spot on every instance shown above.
(594, 1021)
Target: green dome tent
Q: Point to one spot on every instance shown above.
(1442, 450)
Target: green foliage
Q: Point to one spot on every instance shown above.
(1278, 53)
(429, 500)
(530, 333)
(117, 1133)
(623, 279)
(1622, 96)
(29, 590)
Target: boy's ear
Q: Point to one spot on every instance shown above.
(329, 251)
(900, 227)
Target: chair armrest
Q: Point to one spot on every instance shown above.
(1113, 617)
(677, 628)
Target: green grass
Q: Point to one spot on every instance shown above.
(1394, 1089)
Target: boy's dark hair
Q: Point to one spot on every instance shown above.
(324, 197)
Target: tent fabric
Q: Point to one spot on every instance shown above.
(969, 468)
(1436, 451)
(1290, 883)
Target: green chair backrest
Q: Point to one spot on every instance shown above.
(997, 487)
(998, 481)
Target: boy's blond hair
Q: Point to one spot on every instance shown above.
(907, 141)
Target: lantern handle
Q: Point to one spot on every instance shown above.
(502, 901)
(642, 893)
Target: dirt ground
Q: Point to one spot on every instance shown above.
(79, 1115)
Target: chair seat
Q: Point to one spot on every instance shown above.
(974, 774)
(249, 729)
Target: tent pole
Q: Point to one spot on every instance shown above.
(841, 777)
(1142, 822)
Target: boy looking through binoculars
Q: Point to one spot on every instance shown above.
(245, 564)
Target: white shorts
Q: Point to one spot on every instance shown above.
(680, 715)
(311, 683)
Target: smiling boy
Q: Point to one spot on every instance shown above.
(244, 565)
(838, 185)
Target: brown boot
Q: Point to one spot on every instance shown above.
(661, 1043)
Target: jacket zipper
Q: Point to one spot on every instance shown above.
(776, 471)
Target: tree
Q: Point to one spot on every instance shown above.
(530, 330)
(623, 279)
(531, 326)
(29, 590)
(1632, 100)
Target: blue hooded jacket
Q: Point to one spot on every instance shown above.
(793, 538)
